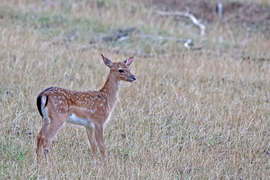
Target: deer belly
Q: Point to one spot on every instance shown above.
(80, 121)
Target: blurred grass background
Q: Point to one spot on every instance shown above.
(199, 114)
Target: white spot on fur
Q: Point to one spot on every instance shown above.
(93, 110)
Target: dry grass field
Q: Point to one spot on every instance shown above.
(191, 114)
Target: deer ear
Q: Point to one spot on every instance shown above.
(107, 61)
(128, 61)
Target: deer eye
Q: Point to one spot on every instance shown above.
(121, 71)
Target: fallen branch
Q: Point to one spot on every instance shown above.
(122, 35)
(119, 34)
(186, 14)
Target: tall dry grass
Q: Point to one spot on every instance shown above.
(195, 115)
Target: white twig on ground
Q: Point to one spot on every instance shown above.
(188, 43)
(186, 14)
(123, 38)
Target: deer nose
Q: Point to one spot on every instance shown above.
(133, 77)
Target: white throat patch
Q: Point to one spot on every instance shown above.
(119, 83)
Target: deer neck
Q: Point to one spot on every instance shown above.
(110, 89)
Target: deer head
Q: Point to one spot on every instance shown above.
(120, 70)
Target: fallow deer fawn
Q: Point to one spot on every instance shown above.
(90, 109)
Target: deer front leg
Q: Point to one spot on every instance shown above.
(101, 144)
(93, 143)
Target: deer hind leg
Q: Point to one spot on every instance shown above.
(93, 143)
(44, 128)
(55, 125)
(101, 144)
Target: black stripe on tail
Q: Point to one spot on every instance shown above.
(39, 101)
